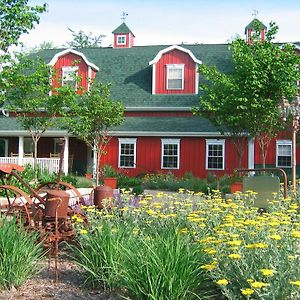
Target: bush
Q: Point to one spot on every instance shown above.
(19, 254)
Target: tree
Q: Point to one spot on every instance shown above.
(91, 115)
(16, 18)
(26, 87)
(247, 99)
(84, 40)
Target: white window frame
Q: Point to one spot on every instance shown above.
(170, 142)
(131, 141)
(171, 67)
(68, 77)
(283, 143)
(215, 142)
(121, 36)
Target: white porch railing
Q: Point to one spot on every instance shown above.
(45, 164)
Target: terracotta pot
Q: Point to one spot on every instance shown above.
(102, 192)
(111, 182)
(88, 176)
(236, 187)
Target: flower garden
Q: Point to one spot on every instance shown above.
(188, 245)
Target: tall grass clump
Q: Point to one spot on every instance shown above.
(19, 254)
(163, 264)
(98, 255)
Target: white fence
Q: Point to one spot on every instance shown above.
(45, 164)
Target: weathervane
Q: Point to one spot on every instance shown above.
(255, 13)
(123, 16)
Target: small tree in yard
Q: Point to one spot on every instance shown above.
(27, 90)
(247, 99)
(91, 115)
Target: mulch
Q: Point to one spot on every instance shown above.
(69, 287)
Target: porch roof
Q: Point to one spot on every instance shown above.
(134, 126)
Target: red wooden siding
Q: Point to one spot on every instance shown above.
(129, 40)
(175, 57)
(71, 59)
(192, 157)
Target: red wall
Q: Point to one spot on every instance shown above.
(175, 57)
(69, 60)
(192, 157)
(129, 36)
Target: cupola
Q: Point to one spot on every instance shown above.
(254, 26)
(123, 37)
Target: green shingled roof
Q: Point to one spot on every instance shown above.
(128, 70)
(150, 125)
(253, 23)
(123, 28)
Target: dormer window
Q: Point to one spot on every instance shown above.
(69, 76)
(121, 40)
(175, 77)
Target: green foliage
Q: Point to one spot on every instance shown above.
(126, 181)
(108, 171)
(16, 18)
(19, 253)
(91, 115)
(138, 190)
(84, 40)
(247, 100)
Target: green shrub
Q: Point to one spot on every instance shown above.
(137, 190)
(126, 181)
(19, 254)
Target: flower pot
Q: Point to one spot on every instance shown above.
(236, 187)
(88, 176)
(100, 193)
(110, 181)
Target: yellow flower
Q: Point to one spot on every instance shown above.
(257, 245)
(209, 267)
(295, 233)
(267, 272)
(234, 243)
(83, 231)
(222, 282)
(258, 284)
(275, 237)
(297, 283)
(234, 256)
(247, 292)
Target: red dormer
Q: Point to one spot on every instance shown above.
(175, 71)
(123, 37)
(69, 62)
(250, 29)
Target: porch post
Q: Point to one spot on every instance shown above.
(251, 153)
(21, 150)
(66, 156)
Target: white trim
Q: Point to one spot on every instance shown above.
(89, 77)
(215, 142)
(21, 149)
(283, 143)
(154, 79)
(121, 36)
(175, 66)
(170, 48)
(196, 80)
(66, 156)
(170, 142)
(64, 52)
(251, 153)
(131, 141)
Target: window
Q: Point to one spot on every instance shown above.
(127, 153)
(69, 76)
(170, 153)
(121, 40)
(175, 76)
(215, 150)
(284, 154)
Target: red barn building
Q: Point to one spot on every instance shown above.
(158, 86)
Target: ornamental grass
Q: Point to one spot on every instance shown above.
(189, 245)
(19, 254)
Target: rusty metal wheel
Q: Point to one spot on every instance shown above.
(18, 204)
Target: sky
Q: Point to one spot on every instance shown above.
(163, 22)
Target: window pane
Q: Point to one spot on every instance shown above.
(170, 156)
(215, 156)
(174, 77)
(127, 155)
(284, 155)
